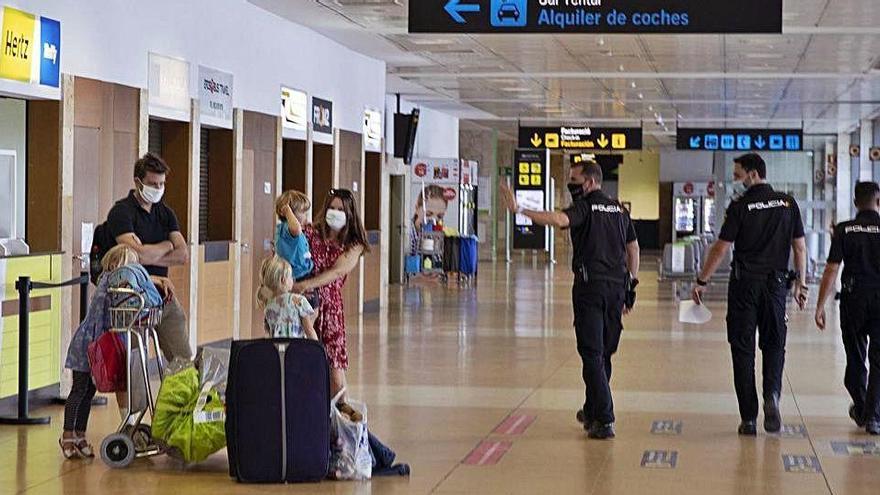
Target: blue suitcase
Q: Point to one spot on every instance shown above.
(278, 411)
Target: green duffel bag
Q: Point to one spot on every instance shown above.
(189, 418)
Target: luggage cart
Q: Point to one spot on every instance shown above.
(133, 439)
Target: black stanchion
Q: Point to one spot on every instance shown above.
(23, 285)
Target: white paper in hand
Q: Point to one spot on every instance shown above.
(691, 312)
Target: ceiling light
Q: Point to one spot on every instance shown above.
(650, 108)
(621, 68)
(601, 42)
(633, 85)
(641, 96)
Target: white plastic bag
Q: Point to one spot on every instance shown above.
(350, 457)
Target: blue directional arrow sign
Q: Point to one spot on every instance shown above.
(455, 8)
(776, 142)
(695, 142)
(760, 143)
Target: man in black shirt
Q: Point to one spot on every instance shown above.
(146, 224)
(763, 226)
(856, 244)
(605, 263)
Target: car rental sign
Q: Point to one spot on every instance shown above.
(595, 16)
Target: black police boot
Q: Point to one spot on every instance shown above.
(601, 431)
(873, 428)
(856, 417)
(748, 429)
(772, 418)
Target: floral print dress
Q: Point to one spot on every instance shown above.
(330, 325)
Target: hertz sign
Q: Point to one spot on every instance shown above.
(570, 138)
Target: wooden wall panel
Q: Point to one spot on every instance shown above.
(220, 184)
(43, 220)
(294, 165)
(372, 277)
(351, 170)
(247, 235)
(373, 191)
(89, 103)
(322, 174)
(105, 148)
(175, 151)
(215, 294)
(260, 138)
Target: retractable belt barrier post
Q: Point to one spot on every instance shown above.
(24, 286)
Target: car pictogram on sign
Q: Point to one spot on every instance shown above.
(508, 11)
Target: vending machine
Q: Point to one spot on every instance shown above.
(693, 209)
(468, 192)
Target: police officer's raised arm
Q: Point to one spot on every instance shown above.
(719, 249)
(551, 218)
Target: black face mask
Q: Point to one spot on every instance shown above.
(576, 190)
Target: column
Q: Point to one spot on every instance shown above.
(843, 192)
(866, 141)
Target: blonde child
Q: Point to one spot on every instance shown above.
(287, 315)
(121, 269)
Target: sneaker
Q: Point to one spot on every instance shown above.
(873, 428)
(601, 432)
(772, 418)
(748, 429)
(856, 417)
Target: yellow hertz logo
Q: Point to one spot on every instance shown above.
(776, 203)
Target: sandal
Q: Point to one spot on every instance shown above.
(84, 448)
(69, 447)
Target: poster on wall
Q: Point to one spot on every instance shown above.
(169, 88)
(434, 193)
(294, 109)
(31, 48)
(215, 97)
(531, 175)
(372, 130)
(322, 115)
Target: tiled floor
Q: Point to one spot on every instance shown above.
(442, 368)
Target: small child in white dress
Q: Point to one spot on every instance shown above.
(286, 315)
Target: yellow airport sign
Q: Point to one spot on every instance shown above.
(618, 141)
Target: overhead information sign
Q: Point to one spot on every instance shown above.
(740, 139)
(581, 138)
(595, 16)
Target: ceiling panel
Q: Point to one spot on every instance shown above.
(818, 71)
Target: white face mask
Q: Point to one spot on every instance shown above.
(151, 194)
(335, 219)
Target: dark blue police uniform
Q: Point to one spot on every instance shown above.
(856, 244)
(600, 230)
(761, 224)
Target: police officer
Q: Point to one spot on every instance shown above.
(763, 226)
(605, 261)
(856, 244)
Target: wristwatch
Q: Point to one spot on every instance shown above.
(701, 283)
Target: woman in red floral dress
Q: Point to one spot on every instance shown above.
(337, 240)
